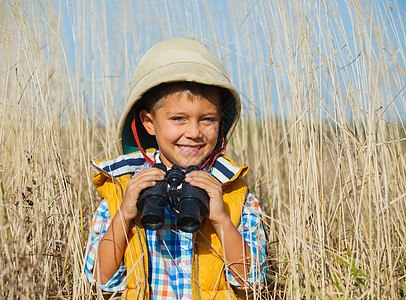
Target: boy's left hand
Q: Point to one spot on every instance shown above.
(213, 188)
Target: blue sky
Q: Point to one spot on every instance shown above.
(244, 34)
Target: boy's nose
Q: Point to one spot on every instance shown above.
(193, 131)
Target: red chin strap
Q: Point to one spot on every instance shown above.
(214, 156)
(216, 152)
(134, 129)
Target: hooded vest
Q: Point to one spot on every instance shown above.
(208, 278)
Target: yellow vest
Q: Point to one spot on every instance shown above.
(208, 279)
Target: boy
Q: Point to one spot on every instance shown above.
(181, 111)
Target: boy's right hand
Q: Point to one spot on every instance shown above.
(142, 180)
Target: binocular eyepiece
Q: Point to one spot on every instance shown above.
(193, 202)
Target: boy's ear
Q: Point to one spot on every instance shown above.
(147, 121)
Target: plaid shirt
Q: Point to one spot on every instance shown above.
(171, 252)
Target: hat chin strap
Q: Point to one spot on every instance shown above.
(134, 129)
(216, 152)
(212, 158)
(214, 155)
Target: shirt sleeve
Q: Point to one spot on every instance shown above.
(252, 230)
(98, 227)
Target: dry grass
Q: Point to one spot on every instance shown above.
(323, 86)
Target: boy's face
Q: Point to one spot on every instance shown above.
(185, 127)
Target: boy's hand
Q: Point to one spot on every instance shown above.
(142, 180)
(213, 188)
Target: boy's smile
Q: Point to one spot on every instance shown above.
(186, 127)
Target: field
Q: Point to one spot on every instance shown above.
(323, 85)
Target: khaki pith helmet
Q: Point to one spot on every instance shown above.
(175, 60)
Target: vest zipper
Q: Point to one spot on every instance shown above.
(197, 265)
(143, 269)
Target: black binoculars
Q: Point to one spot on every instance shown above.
(191, 202)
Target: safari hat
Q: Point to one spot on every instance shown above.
(175, 60)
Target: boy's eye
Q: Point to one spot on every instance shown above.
(177, 118)
(209, 119)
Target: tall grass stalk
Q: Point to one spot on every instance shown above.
(323, 89)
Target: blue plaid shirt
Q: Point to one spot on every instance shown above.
(171, 252)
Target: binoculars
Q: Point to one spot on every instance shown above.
(191, 202)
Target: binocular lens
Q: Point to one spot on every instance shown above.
(189, 215)
(153, 213)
